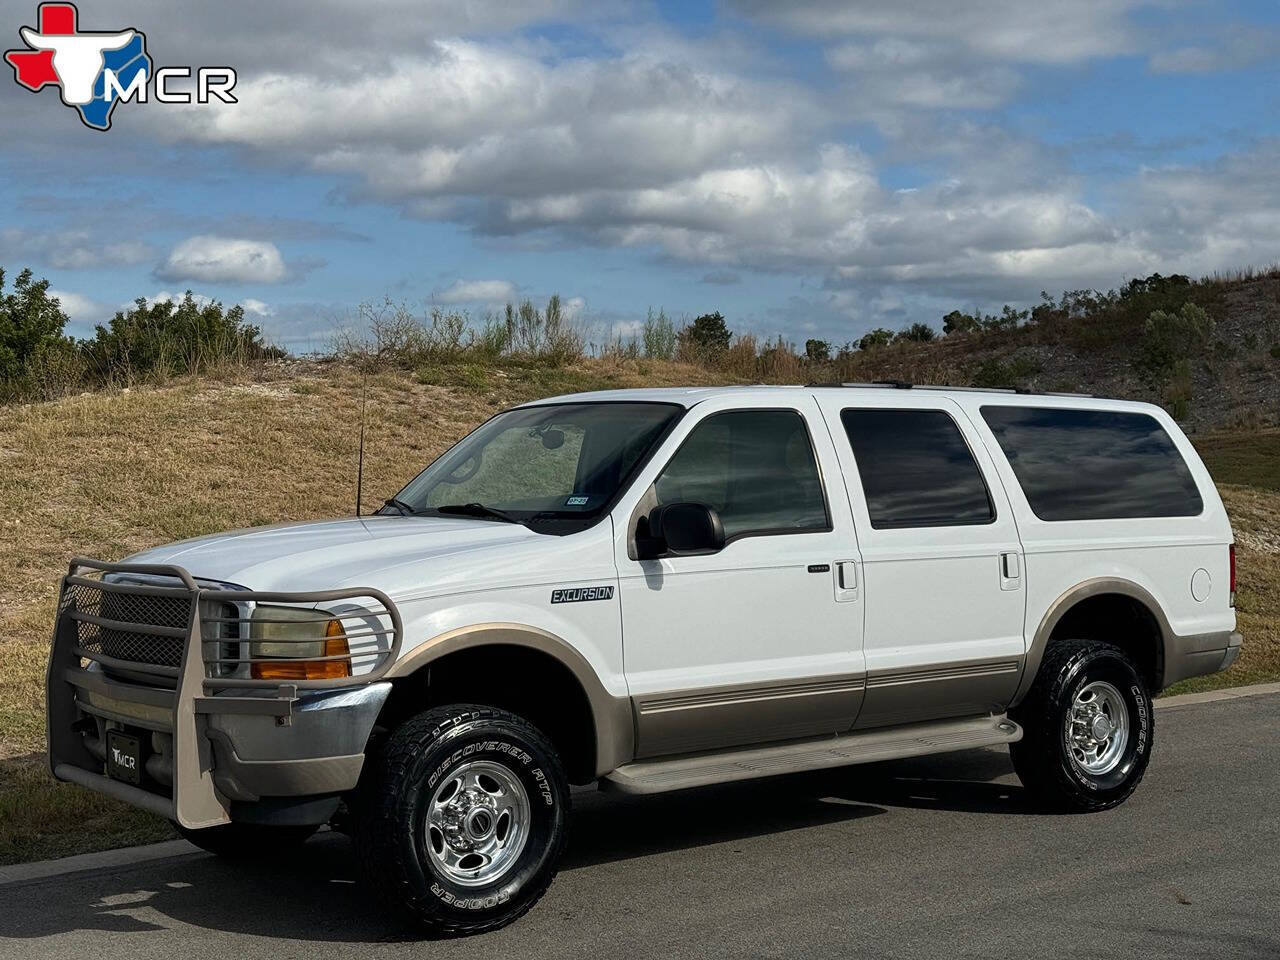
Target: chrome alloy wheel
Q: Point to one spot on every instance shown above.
(478, 823)
(1097, 728)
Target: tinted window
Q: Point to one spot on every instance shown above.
(755, 467)
(1094, 464)
(916, 469)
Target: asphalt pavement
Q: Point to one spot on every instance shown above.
(933, 857)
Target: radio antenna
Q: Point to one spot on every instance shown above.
(364, 402)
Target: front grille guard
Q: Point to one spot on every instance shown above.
(202, 667)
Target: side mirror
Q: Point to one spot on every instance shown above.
(679, 529)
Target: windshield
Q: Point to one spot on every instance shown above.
(558, 466)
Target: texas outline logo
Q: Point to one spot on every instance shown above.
(96, 70)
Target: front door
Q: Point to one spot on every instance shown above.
(763, 639)
(943, 581)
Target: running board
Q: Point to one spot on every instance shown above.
(699, 770)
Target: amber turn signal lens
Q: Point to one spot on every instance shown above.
(335, 645)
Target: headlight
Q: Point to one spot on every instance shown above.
(295, 643)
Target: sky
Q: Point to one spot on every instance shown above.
(809, 168)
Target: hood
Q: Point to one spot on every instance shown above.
(381, 551)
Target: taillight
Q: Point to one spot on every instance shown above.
(1232, 579)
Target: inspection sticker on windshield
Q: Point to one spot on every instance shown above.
(579, 594)
(577, 501)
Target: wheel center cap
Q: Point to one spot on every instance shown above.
(1100, 728)
(479, 823)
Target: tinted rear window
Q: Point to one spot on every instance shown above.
(916, 469)
(1094, 464)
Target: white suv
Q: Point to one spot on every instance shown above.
(654, 589)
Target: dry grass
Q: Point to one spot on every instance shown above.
(41, 818)
(111, 473)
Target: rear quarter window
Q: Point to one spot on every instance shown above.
(1094, 464)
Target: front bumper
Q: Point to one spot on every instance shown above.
(321, 751)
(213, 748)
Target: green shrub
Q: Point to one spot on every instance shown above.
(916, 333)
(493, 339)
(55, 369)
(659, 336)
(1168, 338)
(878, 337)
(959, 323)
(31, 339)
(817, 351)
(1009, 319)
(1175, 284)
(169, 337)
(1014, 372)
(544, 334)
(706, 338)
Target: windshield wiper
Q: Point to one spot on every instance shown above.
(478, 510)
(404, 508)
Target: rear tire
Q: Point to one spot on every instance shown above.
(461, 818)
(246, 841)
(1088, 728)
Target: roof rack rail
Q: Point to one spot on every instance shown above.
(907, 385)
(932, 386)
(872, 385)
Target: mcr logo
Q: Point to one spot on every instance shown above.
(96, 70)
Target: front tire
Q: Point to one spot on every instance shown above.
(462, 818)
(1088, 728)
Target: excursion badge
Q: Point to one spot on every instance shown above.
(581, 594)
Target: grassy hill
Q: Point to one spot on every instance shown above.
(109, 473)
(1107, 345)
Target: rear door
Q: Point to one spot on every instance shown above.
(942, 563)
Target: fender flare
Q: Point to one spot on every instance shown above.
(611, 716)
(1083, 591)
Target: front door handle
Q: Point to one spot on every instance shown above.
(1010, 570)
(846, 580)
(848, 574)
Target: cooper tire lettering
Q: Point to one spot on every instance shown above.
(1048, 758)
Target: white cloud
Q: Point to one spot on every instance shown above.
(504, 124)
(164, 296)
(73, 249)
(476, 291)
(699, 149)
(82, 311)
(330, 36)
(1051, 31)
(212, 259)
(931, 75)
(257, 308)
